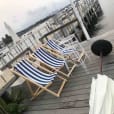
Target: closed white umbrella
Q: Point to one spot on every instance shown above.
(102, 95)
(11, 33)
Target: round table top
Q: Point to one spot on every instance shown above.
(103, 47)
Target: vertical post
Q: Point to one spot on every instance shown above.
(80, 20)
(101, 62)
(33, 36)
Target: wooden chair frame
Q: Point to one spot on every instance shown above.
(58, 70)
(40, 88)
(67, 57)
(64, 57)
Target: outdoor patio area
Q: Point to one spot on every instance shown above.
(75, 96)
(57, 57)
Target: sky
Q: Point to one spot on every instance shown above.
(20, 14)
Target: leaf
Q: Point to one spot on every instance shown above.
(17, 95)
(22, 108)
(3, 106)
(12, 107)
(2, 103)
(6, 97)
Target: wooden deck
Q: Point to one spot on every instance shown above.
(75, 96)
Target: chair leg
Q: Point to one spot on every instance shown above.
(39, 91)
(43, 88)
(30, 88)
(66, 65)
(57, 94)
(72, 69)
(61, 88)
(62, 73)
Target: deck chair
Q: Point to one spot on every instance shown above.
(42, 80)
(70, 53)
(52, 62)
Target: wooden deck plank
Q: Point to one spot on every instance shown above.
(64, 105)
(62, 111)
(75, 96)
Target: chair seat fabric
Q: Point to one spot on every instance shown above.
(48, 58)
(26, 69)
(55, 46)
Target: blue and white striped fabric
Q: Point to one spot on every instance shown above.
(67, 51)
(55, 46)
(48, 58)
(26, 69)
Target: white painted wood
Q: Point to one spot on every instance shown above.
(20, 81)
(102, 95)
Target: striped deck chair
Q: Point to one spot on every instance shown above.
(40, 79)
(55, 46)
(72, 53)
(52, 62)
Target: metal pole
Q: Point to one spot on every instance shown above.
(101, 63)
(80, 20)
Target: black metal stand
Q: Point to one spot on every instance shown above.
(101, 48)
(101, 63)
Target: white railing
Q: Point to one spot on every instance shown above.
(10, 52)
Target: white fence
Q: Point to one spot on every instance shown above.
(10, 52)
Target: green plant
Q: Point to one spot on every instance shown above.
(3, 106)
(11, 103)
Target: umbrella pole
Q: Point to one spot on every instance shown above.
(101, 48)
(101, 62)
